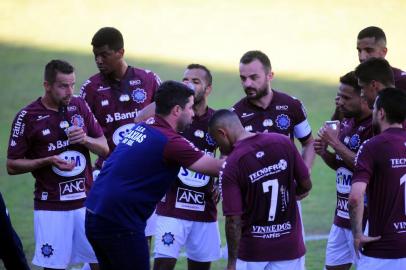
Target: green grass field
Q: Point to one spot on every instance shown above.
(22, 68)
(310, 43)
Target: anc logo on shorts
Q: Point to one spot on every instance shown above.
(168, 238)
(139, 95)
(283, 121)
(47, 250)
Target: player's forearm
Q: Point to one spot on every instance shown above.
(147, 112)
(308, 153)
(330, 159)
(233, 236)
(346, 154)
(97, 146)
(356, 207)
(19, 166)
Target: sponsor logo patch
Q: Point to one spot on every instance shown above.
(46, 132)
(121, 132)
(193, 179)
(42, 117)
(260, 154)
(248, 128)
(135, 82)
(105, 102)
(199, 133)
(190, 200)
(72, 190)
(71, 156)
(343, 180)
(267, 123)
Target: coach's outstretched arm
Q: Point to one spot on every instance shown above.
(207, 165)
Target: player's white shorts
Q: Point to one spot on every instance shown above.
(340, 247)
(150, 228)
(370, 263)
(60, 239)
(295, 264)
(200, 239)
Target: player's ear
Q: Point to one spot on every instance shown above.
(121, 52)
(47, 86)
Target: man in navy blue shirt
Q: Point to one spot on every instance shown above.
(136, 177)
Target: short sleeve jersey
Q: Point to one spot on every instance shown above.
(38, 132)
(381, 163)
(139, 172)
(400, 78)
(116, 103)
(190, 196)
(285, 115)
(352, 135)
(257, 182)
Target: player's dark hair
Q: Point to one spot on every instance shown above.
(223, 116)
(351, 80)
(170, 94)
(208, 76)
(55, 66)
(375, 69)
(373, 31)
(250, 56)
(109, 36)
(393, 101)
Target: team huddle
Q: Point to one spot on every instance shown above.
(165, 159)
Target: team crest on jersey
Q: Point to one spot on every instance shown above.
(267, 123)
(354, 142)
(283, 121)
(47, 250)
(77, 120)
(168, 238)
(199, 133)
(139, 95)
(210, 140)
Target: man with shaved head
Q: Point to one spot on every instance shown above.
(260, 195)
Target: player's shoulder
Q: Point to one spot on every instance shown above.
(240, 106)
(144, 74)
(91, 84)
(281, 97)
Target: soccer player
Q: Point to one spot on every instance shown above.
(374, 75)
(11, 248)
(187, 215)
(117, 93)
(356, 127)
(371, 43)
(267, 110)
(137, 175)
(51, 138)
(380, 172)
(260, 180)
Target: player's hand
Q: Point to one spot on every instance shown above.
(76, 135)
(320, 147)
(61, 164)
(360, 241)
(329, 135)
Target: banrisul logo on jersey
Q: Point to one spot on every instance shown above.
(72, 156)
(120, 133)
(139, 95)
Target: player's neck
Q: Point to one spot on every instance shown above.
(49, 104)
(386, 125)
(120, 73)
(264, 101)
(244, 135)
(363, 115)
(200, 108)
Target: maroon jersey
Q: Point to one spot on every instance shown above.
(381, 163)
(190, 196)
(352, 135)
(400, 78)
(116, 103)
(37, 133)
(257, 182)
(285, 115)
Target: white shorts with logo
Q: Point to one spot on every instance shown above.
(60, 239)
(295, 264)
(340, 247)
(200, 239)
(370, 263)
